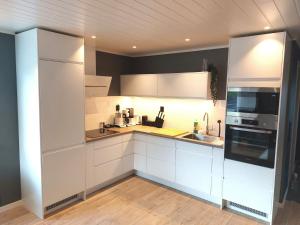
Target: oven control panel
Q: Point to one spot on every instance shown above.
(264, 122)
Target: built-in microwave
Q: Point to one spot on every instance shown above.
(241, 101)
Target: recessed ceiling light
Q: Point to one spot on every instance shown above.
(93, 37)
(187, 40)
(267, 28)
(134, 46)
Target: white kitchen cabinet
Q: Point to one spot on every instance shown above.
(259, 57)
(217, 172)
(108, 159)
(185, 85)
(106, 154)
(63, 174)
(140, 152)
(51, 117)
(107, 171)
(140, 163)
(161, 158)
(61, 104)
(193, 166)
(248, 185)
(139, 85)
(60, 47)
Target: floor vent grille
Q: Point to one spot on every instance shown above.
(61, 203)
(254, 211)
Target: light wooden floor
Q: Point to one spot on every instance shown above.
(134, 201)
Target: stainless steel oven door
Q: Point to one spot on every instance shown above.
(250, 145)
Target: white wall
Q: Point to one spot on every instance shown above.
(180, 113)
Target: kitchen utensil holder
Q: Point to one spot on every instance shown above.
(159, 122)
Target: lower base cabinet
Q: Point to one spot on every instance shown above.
(108, 159)
(193, 168)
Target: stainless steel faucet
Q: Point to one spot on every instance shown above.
(206, 115)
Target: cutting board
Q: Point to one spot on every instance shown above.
(169, 132)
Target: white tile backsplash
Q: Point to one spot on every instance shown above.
(180, 113)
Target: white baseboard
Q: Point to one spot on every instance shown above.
(11, 206)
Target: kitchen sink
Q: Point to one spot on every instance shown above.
(201, 137)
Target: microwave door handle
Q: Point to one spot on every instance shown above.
(252, 130)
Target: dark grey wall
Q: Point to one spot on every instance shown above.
(115, 65)
(9, 148)
(108, 64)
(185, 62)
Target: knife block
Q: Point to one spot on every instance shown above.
(159, 122)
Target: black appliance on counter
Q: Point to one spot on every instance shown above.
(251, 125)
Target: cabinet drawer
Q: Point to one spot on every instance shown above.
(197, 148)
(128, 147)
(140, 163)
(140, 148)
(63, 174)
(60, 47)
(161, 153)
(108, 171)
(103, 155)
(108, 142)
(161, 169)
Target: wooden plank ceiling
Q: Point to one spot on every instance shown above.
(152, 25)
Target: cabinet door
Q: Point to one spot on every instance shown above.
(248, 185)
(61, 88)
(193, 85)
(140, 163)
(217, 172)
(127, 163)
(63, 174)
(139, 85)
(161, 158)
(193, 168)
(60, 47)
(256, 57)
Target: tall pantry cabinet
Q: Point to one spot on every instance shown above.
(50, 85)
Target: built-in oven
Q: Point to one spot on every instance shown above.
(251, 125)
(250, 145)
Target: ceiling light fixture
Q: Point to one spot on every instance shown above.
(187, 40)
(267, 28)
(93, 37)
(134, 46)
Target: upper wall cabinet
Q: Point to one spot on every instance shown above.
(139, 85)
(54, 46)
(185, 85)
(179, 85)
(258, 57)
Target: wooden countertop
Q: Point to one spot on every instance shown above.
(160, 132)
